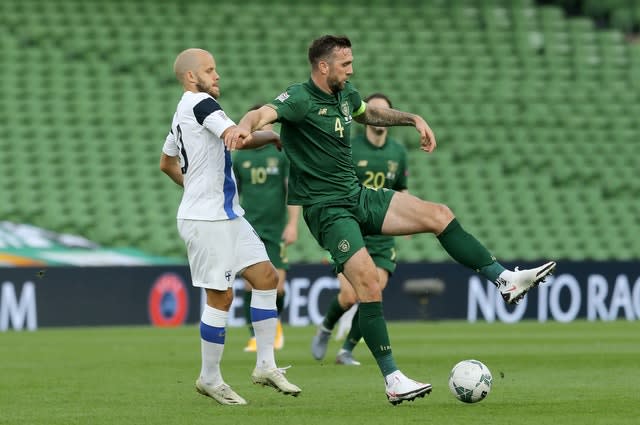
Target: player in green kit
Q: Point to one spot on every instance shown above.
(380, 162)
(316, 118)
(262, 175)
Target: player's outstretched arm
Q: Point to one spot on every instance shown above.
(387, 117)
(235, 137)
(260, 138)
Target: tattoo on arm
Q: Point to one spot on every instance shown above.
(385, 117)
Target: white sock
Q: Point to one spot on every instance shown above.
(212, 335)
(264, 317)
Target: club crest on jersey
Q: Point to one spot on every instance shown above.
(227, 275)
(283, 96)
(344, 245)
(344, 108)
(272, 166)
(392, 169)
(322, 111)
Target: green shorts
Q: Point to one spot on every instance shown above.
(339, 226)
(383, 251)
(277, 252)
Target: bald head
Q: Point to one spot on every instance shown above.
(196, 70)
(189, 60)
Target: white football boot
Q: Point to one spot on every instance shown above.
(223, 393)
(274, 378)
(400, 388)
(513, 285)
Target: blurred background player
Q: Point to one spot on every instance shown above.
(262, 175)
(380, 162)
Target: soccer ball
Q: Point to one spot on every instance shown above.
(470, 381)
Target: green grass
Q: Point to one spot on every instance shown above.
(578, 373)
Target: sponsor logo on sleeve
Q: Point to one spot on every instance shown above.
(283, 96)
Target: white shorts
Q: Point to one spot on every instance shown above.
(218, 250)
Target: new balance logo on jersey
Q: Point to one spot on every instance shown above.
(283, 96)
(363, 163)
(322, 111)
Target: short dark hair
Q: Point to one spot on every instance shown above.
(379, 95)
(322, 47)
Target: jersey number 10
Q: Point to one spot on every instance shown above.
(258, 175)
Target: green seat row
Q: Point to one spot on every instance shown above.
(535, 113)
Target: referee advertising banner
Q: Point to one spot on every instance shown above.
(32, 297)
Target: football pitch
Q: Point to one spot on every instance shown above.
(551, 373)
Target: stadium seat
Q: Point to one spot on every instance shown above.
(521, 97)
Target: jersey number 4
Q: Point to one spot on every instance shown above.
(339, 127)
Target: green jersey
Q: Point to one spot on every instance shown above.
(261, 175)
(377, 168)
(380, 167)
(315, 133)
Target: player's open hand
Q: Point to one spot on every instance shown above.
(290, 234)
(236, 137)
(427, 138)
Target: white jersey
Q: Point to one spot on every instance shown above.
(210, 190)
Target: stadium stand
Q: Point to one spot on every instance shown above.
(623, 15)
(536, 113)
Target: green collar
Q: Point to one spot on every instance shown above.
(317, 91)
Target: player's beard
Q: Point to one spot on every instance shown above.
(203, 87)
(335, 85)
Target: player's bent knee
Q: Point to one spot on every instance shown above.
(347, 299)
(269, 279)
(442, 215)
(220, 300)
(369, 290)
(273, 279)
(261, 276)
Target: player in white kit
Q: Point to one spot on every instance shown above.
(220, 242)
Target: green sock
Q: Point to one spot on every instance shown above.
(492, 271)
(334, 314)
(468, 251)
(280, 302)
(374, 332)
(247, 311)
(354, 334)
